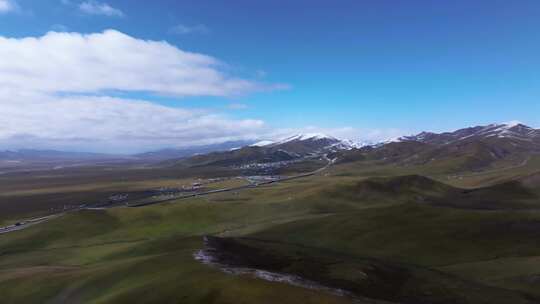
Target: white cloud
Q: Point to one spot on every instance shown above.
(99, 8)
(182, 29)
(55, 93)
(7, 6)
(111, 124)
(73, 62)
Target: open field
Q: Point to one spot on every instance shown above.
(118, 255)
(36, 193)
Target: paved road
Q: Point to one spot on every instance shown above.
(22, 224)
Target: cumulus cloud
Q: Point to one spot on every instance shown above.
(56, 92)
(111, 124)
(111, 60)
(182, 29)
(98, 8)
(7, 6)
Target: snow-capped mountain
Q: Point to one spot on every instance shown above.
(318, 142)
(290, 148)
(473, 148)
(322, 141)
(303, 144)
(511, 131)
(470, 148)
(514, 131)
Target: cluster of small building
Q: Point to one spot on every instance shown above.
(268, 168)
(264, 168)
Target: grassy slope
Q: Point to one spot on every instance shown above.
(145, 254)
(422, 235)
(119, 255)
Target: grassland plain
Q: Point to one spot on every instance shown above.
(145, 255)
(33, 193)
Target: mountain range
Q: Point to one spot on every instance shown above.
(288, 149)
(510, 131)
(472, 148)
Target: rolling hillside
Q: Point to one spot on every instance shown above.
(382, 240)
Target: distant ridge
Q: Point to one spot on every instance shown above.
(515, 131)
(177, 153)
(468, 149)
(290, 148)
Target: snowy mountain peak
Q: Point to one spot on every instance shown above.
(307, 136)
(513, 123)
(507, 130)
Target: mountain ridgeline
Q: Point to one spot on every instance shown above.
(468, 149)
(293, 148)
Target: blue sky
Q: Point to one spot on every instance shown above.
(366, 67)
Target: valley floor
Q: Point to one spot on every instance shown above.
(379, 233)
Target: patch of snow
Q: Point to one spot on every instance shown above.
(262, 143)
(349, 144)
(395, 139)
(512, 123)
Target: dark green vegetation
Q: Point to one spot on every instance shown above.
(382, 228)
(368, 277)
(238, 157)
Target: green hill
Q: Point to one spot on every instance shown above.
(394, 227)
